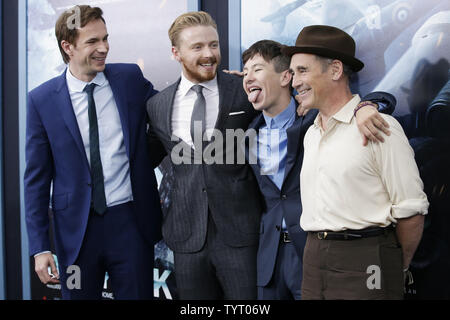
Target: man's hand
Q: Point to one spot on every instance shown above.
(371, 124)
(235, 72)
(41, 264)
(301, 111)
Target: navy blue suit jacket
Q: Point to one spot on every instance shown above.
(281, 203)
(55, 154)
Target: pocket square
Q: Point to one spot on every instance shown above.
(236, 113)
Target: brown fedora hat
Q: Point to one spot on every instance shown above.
(326, 41)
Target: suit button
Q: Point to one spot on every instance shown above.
(89, 184)
(284, 197)
(278, 228)
(203, 190)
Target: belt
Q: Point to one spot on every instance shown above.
(351, 234)
(285, 238)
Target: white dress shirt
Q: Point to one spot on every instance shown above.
(115, 162)
(183, 107)
(345, 185)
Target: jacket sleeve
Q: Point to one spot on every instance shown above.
(37, 181)
(386, 101)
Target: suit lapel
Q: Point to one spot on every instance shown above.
(226, 98)
(64, 104)
(118, 88)
(293, 142)
(168, 100)
(295, 135)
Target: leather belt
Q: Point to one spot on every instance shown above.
(285, 238)
(351, 234)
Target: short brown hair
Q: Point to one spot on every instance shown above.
(190, 19)
(270, 51)
(64, 31)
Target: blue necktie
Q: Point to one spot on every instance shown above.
(98, 186)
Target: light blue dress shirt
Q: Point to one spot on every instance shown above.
(115, 162)
(272, 145)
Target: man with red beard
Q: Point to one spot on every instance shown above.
(212, 224)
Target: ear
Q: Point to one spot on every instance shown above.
(285, 78)
(337, 69)
(67, 47)
(176, 53)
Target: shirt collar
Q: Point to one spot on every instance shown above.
(185, 85)
(345, 114)
(281, 119)
(76, 85)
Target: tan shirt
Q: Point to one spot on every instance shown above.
(345, 185)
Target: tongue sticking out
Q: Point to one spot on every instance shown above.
(253, 96)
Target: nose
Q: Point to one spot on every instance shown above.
(249, 78)
(207, 53)
(104, 47)
(296, 82)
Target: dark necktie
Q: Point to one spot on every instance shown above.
(199, 112)
(98, 186)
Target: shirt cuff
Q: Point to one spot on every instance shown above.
(409, 208)
(38, 254)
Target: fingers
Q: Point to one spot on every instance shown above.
(54, 270)
(301, 111)
(42, 264)
(235, 72)
(374, 134)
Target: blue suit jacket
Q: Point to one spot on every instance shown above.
(55, 154)
(281, 203)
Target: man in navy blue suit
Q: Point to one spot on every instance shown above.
(86, 141)
(279, 152)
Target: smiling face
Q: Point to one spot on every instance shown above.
(310, 80)
(88, 54)
(267, 89)
(198, 51)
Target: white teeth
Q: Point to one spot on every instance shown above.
(253, 89)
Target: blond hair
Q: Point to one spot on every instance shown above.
(190, 19)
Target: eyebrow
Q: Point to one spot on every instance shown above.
(254, 66)
(96, 38)
(298, 68)
(202, 43)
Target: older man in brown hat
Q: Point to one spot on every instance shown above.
(363, 207)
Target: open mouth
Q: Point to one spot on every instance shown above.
(304, 92)
(253, 94)
(208, 65)
(99, 59)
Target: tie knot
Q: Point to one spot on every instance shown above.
(197, 88)
(89, 89)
